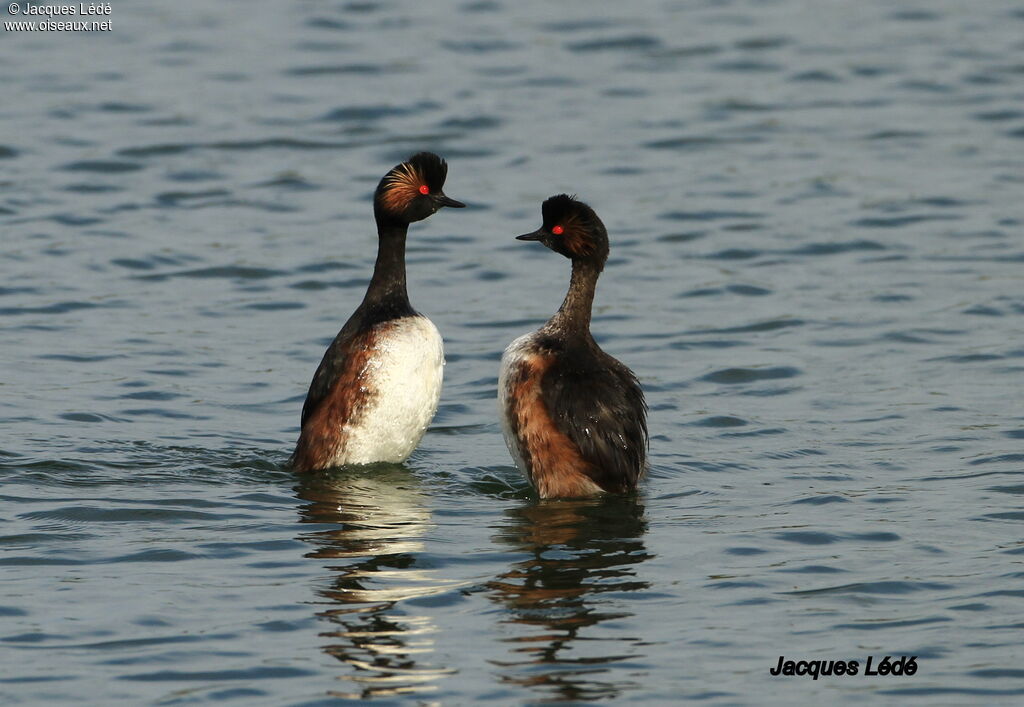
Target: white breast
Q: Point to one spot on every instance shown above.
(510, 361)
(404, 376)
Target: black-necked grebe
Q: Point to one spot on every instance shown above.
(574, 418)
(377, 387)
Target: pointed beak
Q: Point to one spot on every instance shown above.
(537, 235)
(443, 200)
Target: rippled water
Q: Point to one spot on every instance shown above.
(817, 272)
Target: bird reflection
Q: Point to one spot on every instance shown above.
(582, 558)
(377, 519)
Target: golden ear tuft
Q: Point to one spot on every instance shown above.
(401, 186)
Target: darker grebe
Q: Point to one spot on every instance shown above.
(574, 418)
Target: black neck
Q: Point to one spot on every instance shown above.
(574, 314)
(387, 288)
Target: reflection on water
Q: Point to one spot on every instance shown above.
(582, 557)
(377, 518)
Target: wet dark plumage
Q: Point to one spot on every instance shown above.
(597, 402)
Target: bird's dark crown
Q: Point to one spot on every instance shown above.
(413, 190)
(573, 229)
(431, 167)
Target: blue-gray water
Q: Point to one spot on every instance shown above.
(817, 272)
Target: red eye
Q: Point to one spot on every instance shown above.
(558, 230)
(424, 189)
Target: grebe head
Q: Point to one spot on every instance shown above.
(573, 229)
(412, 191)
